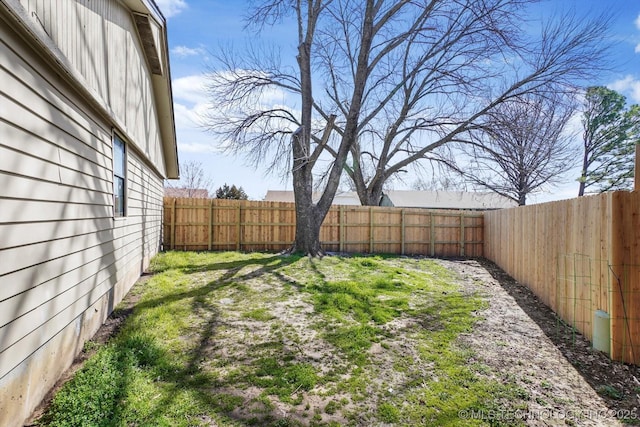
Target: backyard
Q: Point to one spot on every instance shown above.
(232, 339)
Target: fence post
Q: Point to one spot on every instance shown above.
(370, 230)
(341, 225)
(173, 225)
(238, 243)
(402, 232)
(432, 234)
(210, 223)
(462, 239)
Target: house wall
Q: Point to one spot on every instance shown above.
(100, 41)
(65, 261)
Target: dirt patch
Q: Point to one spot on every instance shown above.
(257, 319)
(568, 382)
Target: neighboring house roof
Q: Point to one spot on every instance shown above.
(197, 193)
(414, 199)
(145, 14)
(341, 197)
(449, 200)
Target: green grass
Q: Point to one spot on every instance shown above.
(261, 314)
(208, 343)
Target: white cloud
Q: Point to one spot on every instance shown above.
(196, 147)
(628, 86)
(192, 89)
(192, 105)
(171, 8)
(184, 51)
(186, 118)
(638, 48)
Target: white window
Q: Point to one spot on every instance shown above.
(119, 176)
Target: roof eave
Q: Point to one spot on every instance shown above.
(162, 89)
(13, 10)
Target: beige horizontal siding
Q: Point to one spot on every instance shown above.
(65, 261)
(30, 233)
(18, 350)
(61, 273)
(44, 191)
(34, 210)
(99, 38)
(42, 98)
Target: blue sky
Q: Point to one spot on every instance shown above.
(198, 27)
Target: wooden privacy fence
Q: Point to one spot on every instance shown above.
(216, 224)
(578, 256)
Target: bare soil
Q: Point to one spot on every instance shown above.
(517, 336)
(569, 383)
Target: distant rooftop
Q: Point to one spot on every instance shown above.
(414, 199)
(341, 198)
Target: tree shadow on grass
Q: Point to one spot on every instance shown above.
(213, 395)
(231, 269)
(130, 358)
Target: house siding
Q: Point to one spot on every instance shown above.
(65, 261)
(100, 40)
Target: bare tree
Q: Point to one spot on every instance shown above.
(448, 101)
(440, 183)
(521, 147)
(193, 182)
(397, 80)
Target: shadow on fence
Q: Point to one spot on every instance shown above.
(215, 224)
(600, 300)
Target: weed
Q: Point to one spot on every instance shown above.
(283, 379)
(388, 413)
(610, 391)
(90, 346)
(353, 341)
(332, 407)
(540, 401)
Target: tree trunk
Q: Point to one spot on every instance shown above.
(636, 170)
(583, 174)
(522, 199)
(307, 224)
(309, 215)
(370, 195)
(307, 231)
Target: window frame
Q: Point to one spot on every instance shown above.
(119, 179)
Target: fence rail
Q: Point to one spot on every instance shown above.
(214, 224)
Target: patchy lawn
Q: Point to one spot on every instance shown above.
(226, 339)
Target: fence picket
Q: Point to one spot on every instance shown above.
(246, 225)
